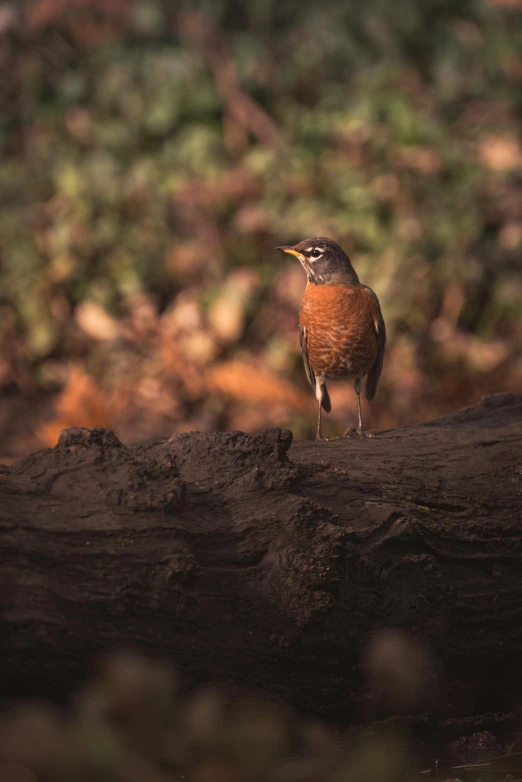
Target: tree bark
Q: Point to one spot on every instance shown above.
(250, 561)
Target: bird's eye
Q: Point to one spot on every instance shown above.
(315, 253)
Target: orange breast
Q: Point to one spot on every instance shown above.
(339, 322)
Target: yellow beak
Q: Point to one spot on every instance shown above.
(290, 250)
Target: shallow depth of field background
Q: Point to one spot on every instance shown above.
(153, 154)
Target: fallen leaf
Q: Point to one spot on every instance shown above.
(501, 153)
(247, 383)
(96, 322)
(81, 403)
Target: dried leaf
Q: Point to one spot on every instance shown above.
(245, 382)
(501, 153)
(81, 403)
(96, 322)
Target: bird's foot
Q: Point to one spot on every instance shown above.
(360, 432)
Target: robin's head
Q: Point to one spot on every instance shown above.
(324, 262)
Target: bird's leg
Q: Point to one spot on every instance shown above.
(318, 435)
(360, 428)
(319, 396)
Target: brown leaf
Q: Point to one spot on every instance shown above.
(501, 153)
(424, 159)
(81, 403)
(96, 322)
(246, 383)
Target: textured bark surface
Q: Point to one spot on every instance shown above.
(252, 561)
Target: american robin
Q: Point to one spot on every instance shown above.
(341, 328)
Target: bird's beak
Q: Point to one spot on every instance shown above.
(287, 248)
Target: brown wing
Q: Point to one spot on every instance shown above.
(380, 334)
(304, 350)
(310, 374)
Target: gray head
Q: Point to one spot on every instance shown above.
(324, 262)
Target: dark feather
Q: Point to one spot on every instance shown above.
(380, 333)
(325, 402)
(304, 350)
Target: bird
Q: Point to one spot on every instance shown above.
(341, 327)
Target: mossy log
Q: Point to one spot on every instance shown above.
(252, 561)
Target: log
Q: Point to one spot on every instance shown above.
(252, 561)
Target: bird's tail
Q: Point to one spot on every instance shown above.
(373, 378)
(325, 399)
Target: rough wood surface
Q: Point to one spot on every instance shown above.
(252, 561)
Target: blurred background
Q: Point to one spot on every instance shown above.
(153, 154)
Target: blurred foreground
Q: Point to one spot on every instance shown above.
(132, 724)
(151, 160)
